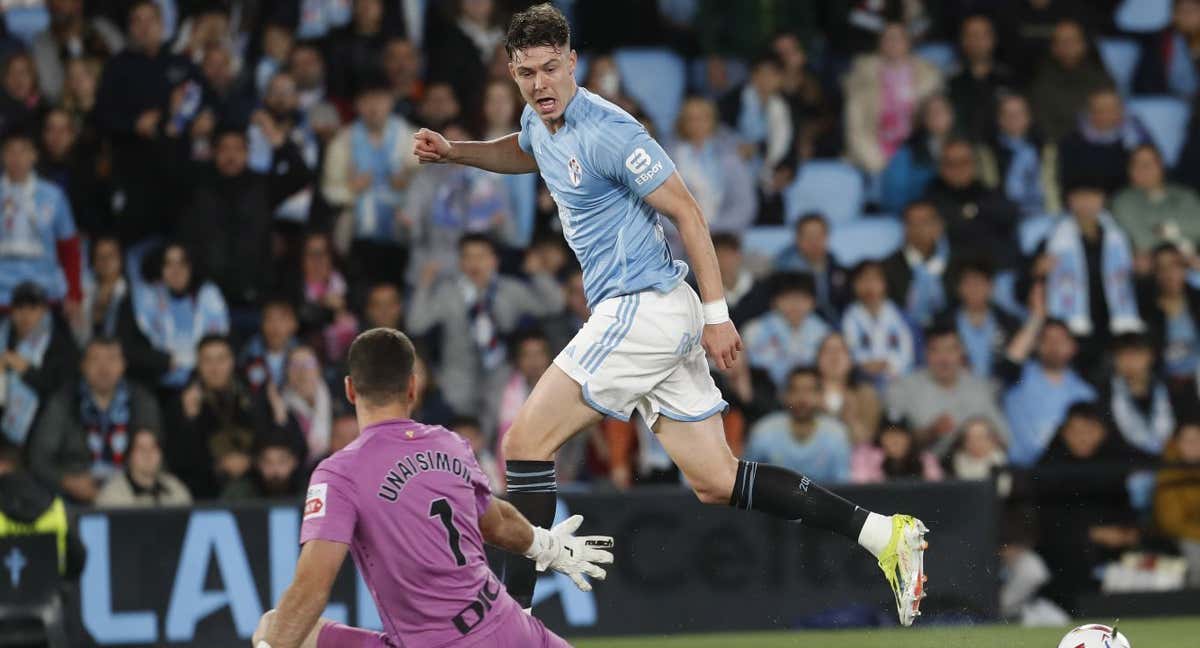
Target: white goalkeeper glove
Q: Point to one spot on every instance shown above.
(560, 550)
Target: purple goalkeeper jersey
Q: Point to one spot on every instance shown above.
(407, 498)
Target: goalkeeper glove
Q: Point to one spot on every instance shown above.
(560, 550)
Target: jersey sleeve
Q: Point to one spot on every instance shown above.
(329, 509)
(479, 480)
(629, 156)
(523, 134)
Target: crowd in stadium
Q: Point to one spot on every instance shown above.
(204, 201)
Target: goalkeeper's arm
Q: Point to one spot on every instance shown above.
(558, 549)
(293, 624)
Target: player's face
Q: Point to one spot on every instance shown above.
(214, 364)
(546, 77)
(19, 158)
(974, 290)
(103, 366)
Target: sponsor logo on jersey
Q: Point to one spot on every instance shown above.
(640, 163)
(575, 172)
(315, 501)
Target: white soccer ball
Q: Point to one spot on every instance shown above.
(1094, 636)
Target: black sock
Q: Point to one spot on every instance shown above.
(533, 490)
(785, 494)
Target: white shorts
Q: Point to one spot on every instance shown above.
(642, 351)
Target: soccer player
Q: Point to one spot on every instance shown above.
(644, 345)
(413, 507)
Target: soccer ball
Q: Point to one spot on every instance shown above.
(1094, 636)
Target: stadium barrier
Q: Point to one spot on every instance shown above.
(202, 576)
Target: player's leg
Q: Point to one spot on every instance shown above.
(553, 413)
(523, 631)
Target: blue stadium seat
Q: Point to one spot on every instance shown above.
(865, 238)
(942, 55)
(1033, 230)
(766, 242)
(1120, 56)
(1143, 16)
(831, 187)
(26, 22)
(655, 78)
(1166, 118)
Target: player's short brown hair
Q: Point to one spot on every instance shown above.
(380, 363)
(537, 26)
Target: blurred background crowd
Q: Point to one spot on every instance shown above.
(958, 238)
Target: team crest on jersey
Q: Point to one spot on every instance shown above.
(315, 501)
(574, 172)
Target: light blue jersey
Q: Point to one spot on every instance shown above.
(599, 166)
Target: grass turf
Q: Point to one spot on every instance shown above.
(1142, 633)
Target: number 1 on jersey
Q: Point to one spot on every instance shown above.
(441, 508)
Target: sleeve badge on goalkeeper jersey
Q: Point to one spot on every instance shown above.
(315, 502)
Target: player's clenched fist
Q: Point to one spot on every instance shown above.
(722, 343)
(560, 550)
(430, 147)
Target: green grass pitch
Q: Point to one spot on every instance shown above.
(1142, 633)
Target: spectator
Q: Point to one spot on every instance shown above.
(883, 91)
(811, 254)
(278, 121)
(984, 329)
(1099, 148)
(306, 397)
(70, 35)
(217, 420)
(788, 335)
(844, 394)
(439, 107)
(401, 66)
(343, 433)
(469, 429)
(894, 455)
(938, 399)
(1030, 27)
(502, 106)
(1017, 162)
(145, 481)
(736, 279)
(368, 168)
(204, 27)
(1177, 496)
(263, 360)
(1167, 63)
(801, 437)
(324, 313)
(84, 435)
(104, 291)
(530, 359)
(750, 392)
(709, 163)
(171, 315)
(472, 349)
(429, 405)
(37, 355)
(909, 172)
(1152, 210)
(1090, 284)
(1040, 391)
(978, 450)
(307, 67)
(277, 43)
(226, 225)
(918, 273)
(976, 90)
(229, 94)
(867, 22)
(879, 337)
(760, 115)
(979, 222)
(604, 79)
(20, 102)
(1065, 80)
(1137, 401)
(79, 93)
(38, 242)
(71, 164)
(356, 48)
(29, 505)
(561, 327)
(385, 307)
(1083, 507)
(276, 473)
(462, 54)
(1171, 310)
(815, 112)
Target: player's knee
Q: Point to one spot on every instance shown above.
(712, 490)
(522, 444)
(264, 623)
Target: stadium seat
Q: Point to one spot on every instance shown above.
(1033, 230)
(1166, 118)
(581, 68)
(1120, 56)
(831, 187)
(865, 238)
(766, 242)
(1143, 16)
(25, 22)
(942, 55)
(655, 78)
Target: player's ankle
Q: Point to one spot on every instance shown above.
(876, 533)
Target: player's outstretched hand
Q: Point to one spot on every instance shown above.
(430, 147)
(564, 552)
(722, 343)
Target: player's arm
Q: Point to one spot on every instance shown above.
(301, 605)
(673, 200)
(559, 549)
(501, 155)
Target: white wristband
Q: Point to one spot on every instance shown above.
(716, 312)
